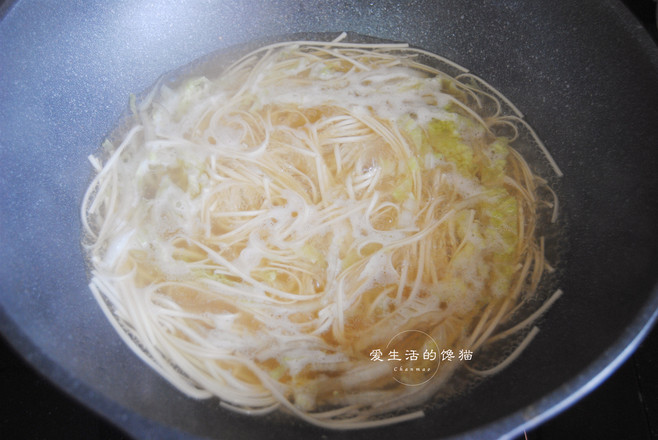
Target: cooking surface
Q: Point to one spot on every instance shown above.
(625, 406)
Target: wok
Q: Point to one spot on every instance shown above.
(584, 73)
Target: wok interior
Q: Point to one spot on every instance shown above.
(588, 87)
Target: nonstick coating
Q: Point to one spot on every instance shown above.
(584, 73)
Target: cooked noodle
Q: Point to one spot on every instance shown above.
(255, 236)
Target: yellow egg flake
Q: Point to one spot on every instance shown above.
(448, 145)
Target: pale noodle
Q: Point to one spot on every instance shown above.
(256, 235)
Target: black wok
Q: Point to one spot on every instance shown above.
(584, 73)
